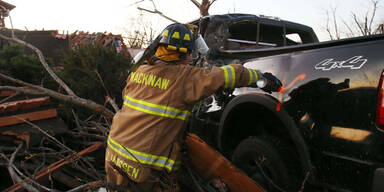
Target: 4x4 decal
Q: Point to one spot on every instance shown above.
(355, 62)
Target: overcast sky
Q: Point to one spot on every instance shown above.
(117, 16)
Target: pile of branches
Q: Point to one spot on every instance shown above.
(61, 162)
(58, 162)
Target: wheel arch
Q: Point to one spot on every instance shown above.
(264, 106)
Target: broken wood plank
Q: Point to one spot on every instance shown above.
(33, 116)
(58, 164)
(26, 137)
(24, 104)
(210, 164)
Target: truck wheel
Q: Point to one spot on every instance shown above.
(259, 158)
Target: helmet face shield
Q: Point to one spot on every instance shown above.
(138, 56)
(201, 46)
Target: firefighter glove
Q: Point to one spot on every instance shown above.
(272, 83)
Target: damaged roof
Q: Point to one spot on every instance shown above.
(7, 5)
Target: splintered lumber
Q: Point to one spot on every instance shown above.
(58, 164)
(23, 104)
(33, 116)
(210, 164)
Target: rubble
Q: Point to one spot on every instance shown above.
(39, 147)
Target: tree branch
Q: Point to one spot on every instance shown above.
(135, 3)
(366, 30)
(328, 29)
(43, 62)
(61, 145)
(203, 6)
(9, 97)
(14, 175)
(348, 27)
(157, 12)
(154, 5)
(337, 33)
(373, 14)
(67, 98)
(212, 2)
(198, 5)
(379, 28)
(361, 25)
(357, 23)
(108, 99)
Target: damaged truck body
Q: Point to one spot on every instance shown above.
(324, 129)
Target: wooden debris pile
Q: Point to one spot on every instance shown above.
(39, 152)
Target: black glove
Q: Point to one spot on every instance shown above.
(273, 83)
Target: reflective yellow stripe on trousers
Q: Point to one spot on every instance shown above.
(229, 76)
(143, 158)
(156, 109)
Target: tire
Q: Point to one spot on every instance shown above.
(259, 158)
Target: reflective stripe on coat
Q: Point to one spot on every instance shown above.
(147, 133)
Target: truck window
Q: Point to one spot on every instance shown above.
(251, 35)
(255, 34)
(242, 35)
(293, 39)
(271, 34)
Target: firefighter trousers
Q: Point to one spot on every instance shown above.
(117, 177)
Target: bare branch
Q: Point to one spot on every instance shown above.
(357, 23)
(212, 2)
(31, 180)
(59, 143)
(109, 99)
(58, 164)
(154, 5)
(373, 14)
(366, 30)
(37, 90)
(328, 29)
(46, 134)
(379, 29)
(361, 25)
(348, 27)
(198, 5)
(135, 3)
(9, 97)
(43, 62)
(14, 175)
(203, 6)
(335, 23)
(157, 12)
(112, 103)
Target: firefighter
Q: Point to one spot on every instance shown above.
(146, 135)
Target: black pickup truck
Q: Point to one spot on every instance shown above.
(323, 131)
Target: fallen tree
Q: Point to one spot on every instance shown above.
(65, 165)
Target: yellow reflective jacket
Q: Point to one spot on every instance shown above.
(148, 131)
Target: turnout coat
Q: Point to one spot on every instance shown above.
(147, 133)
